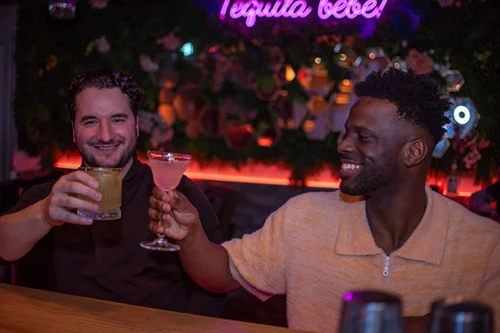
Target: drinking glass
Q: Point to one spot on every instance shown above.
(366, 311)
(465, 317)
(110, 187)
(436, 311)
(167, 169)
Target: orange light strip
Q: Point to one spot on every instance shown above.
(67, 165)
(255, 173)
(236, 178)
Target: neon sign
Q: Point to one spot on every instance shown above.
(253, 9)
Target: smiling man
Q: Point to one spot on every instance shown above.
(108, 136)
(402, 238)
(54, 248)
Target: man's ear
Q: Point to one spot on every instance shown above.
(415, 152)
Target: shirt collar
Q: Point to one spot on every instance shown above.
(136, 169)
(426, 244)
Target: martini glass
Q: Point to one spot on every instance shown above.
(167, 169)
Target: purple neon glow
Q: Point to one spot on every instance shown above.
(251, 9)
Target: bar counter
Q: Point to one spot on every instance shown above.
(24, 310)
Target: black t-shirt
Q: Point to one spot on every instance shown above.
(105, 261)
(493, 193)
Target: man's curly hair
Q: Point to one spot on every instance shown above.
(104, 79)
(419, 99)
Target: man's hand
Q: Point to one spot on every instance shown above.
(59, 206)
(172, 215)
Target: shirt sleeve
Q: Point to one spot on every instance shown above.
(208, 219)
(30, 197)
(489, 291)
(257, 260)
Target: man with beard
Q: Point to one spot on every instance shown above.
(402, 237)
(55, 249)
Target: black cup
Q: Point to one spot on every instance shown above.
(367, 311)
(436, 308)
(465, 317)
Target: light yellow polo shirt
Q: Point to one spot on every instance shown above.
(318, 246)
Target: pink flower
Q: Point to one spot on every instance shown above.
(102, 45)
(170, 42)
(484, 144)
(446, 3)
(420, 63)
(471, 158)
(148, 65)
(98, 4)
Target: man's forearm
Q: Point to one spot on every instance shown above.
(206, 263)
(20, 231)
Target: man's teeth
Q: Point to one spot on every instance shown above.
(349, 166)
(105, 147)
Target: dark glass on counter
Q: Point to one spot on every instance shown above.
(461, 317)
(371, 312)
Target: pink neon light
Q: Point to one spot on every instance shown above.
(252, 9)
(350, 9)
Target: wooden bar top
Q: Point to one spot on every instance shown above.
(24, 310)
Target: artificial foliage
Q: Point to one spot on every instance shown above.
(132, 35)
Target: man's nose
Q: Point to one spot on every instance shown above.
(105, 132)
(345, 144)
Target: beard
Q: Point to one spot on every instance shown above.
(126, 155)
(370, 180)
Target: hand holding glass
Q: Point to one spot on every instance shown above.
(110, 187)
(167, 169)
